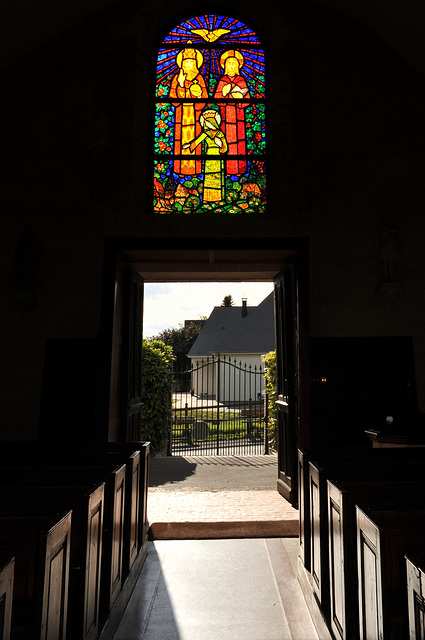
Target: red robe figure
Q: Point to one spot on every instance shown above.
(233, 88)
(187, 83)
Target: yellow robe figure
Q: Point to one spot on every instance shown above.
(188, 83)
(215, 145)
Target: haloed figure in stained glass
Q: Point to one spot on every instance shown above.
(215, 145)
(187, 83)
(233, 88)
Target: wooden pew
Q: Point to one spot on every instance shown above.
(7, 573)
(342, 455)
(41, 547)
(342, 499)
(129, 447)
(320, 456)
(42, 475)
(142, 518)
(383, 538)
(373, 469)
(98, 462)
(416, 595)
(87, 507)
(136, 486)
(136, 523)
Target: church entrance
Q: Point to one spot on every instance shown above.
(131, 262)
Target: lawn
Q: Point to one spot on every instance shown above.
(227, 425)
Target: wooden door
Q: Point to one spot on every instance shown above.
(132, 357)
(124, 399)
(287, 371)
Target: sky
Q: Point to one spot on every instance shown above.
(168, 305)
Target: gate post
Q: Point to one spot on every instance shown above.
(266, 424)
(218, 405)
(249, 421)
(187, 427)
(170, 431)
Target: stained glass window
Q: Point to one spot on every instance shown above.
(210, 134)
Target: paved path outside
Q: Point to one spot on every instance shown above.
(171, 473)
(218, 497)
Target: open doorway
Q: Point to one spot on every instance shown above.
(221, 335)
(132, 262)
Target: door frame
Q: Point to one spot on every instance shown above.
(162, 259)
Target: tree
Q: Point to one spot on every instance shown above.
(181, 341)
(227, 301)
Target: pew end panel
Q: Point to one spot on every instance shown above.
(342, 500)
(41, 547)
(7, 574)
(338, 575)
(132, 511)
(383, 538)
(92, 536)
(370, 578)
(112, 559)
(304, 509)
(416, 596)
(319, 553)
(54, 559)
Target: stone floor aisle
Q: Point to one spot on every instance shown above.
(218, 590)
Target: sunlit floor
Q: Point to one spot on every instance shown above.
(218, 590)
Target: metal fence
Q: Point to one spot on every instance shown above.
(219, 407)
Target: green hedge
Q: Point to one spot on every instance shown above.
(157, 375)
(270, 377)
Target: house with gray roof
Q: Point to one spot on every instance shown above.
(239, 335)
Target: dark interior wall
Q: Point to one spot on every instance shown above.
(346, 163)
(62, 303)
(362, 384)
(359, 164)
(58, 167)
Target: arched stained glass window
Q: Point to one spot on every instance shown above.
(210, 135)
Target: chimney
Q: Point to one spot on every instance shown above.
(244, 308)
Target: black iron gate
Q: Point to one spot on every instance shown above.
(219, 407)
